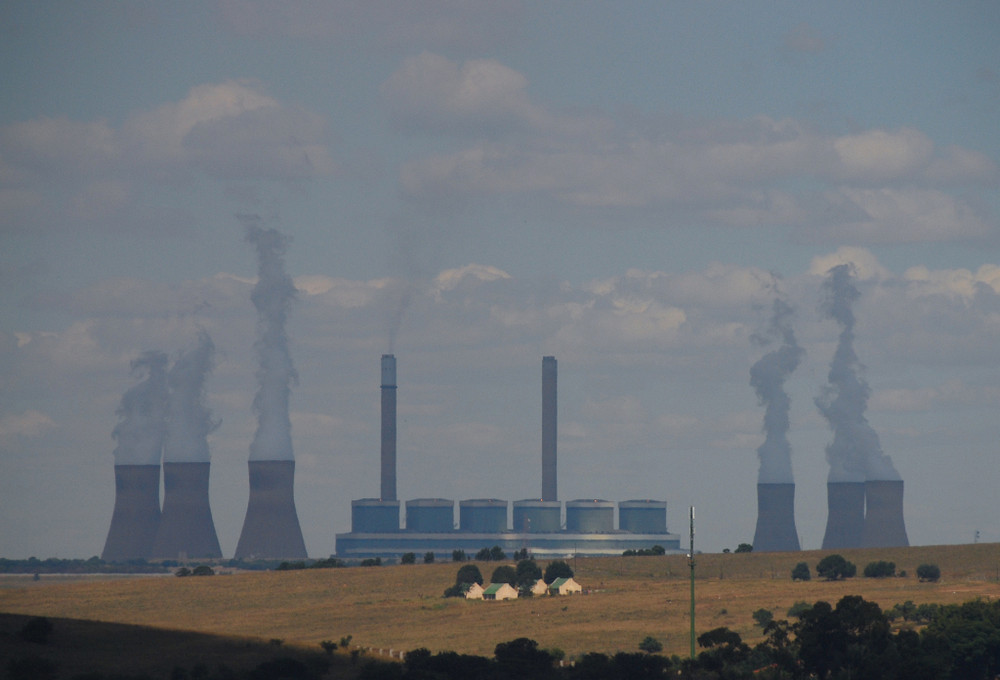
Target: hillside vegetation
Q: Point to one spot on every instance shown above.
(402, 607)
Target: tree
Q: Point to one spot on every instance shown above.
(329, 646)
(528, 572)
(504, 574)
(651, 645)
(928, 572)
(557, 569)
(457, 555)
(763, 617)
(497, 554)
(834, 567)
(183, 571)
(744, 548)
(469, 573)
(428, 557)
(801, 572)
(203, 570)
(408, 558)
(880, 569)
(521, 658)
(483, 555)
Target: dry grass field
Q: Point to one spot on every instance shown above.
(401, 607)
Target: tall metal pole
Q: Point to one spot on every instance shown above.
(691, 563)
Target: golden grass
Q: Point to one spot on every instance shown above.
(401, 607)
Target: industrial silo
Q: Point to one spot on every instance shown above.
(590, 516)
(374, 516)
(430, 515)
(483, 515)
(643, 516)
(536, 516)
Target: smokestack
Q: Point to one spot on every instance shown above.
(845, 520)
(549, 429)
(884, 525)
(271, 527)
(137, 513)
(775, 487)
(186, 525)
(388, 427)
(140, 432)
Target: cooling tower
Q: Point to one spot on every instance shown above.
(271, 527)
(483, 515)
(537, 516)
(590, 516)
(884, 525)
(388, 427)
(549, 429)
(845, 520)
(430, 515)
(374, 516)
(186, 526)
(136, 516)
(643, 516)
(775, 518)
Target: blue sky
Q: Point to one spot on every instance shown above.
(616, 184)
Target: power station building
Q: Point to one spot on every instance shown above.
(538, 525)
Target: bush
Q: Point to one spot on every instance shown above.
(762, 617)
(504, 574)
(801, 572)
(798, 609)
(428, 558)
(408, 558)
(183, 571)
(457, 555)
(651, 645)
(834, 567)
(744, 548)
(372, 562)
(880, 569)
(203, 570)
(928, 572)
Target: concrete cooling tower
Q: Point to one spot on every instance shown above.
(271, 527)
(775, 519)
(845, 520)
(186, 526)
(884, 525)
(136, 516)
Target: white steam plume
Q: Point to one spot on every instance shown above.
(767, 377)
(142, 414)
(855, 454)
(190, 420)
(271, 296)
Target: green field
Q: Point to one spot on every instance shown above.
(400, 607)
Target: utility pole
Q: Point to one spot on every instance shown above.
(691, 564)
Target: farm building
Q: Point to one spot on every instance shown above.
(540, 588)
(500, 591)
(564, 586)
(475, 592)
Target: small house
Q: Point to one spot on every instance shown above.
(499, 591)
(564, 586)
(539, 588)
(475, 592)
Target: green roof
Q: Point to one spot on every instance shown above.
(492, 588)
(558, 582)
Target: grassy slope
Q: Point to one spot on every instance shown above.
(401, 606)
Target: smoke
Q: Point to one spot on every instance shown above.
(271, 296)
(190, 420)
(142, 414)
(396, 320)
(855, 454)
(767, 377)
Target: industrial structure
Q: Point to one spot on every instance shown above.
(271, 527)
(845, 519)
(136, 516)
(533, 524)
(775, 530)
(186, 528)
(884, 525)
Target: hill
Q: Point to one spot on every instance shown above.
(401, 607)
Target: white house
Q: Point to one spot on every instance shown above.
(475, 592)
(499, 591)
(565, 586)
(539, 588)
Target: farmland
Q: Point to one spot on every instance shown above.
(401, 607)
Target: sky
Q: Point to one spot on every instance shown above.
(626, 186)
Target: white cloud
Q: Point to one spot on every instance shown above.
(960, 283)
(878, 155)
(865, 263)
(27, 424)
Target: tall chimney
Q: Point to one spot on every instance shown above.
(136, 515)
(186, 526)
(549, 429)
(884, 525)
(775, 518)
(845, 520)
(271, 528)
(388, 427)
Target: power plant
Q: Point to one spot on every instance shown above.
(775, 530)
(535, 524)
(186, 527)
(136, 516)
(884, 526)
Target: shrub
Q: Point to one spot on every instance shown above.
(651, 645)
(880, 569)
(372, 562)
(801, 572)
(798, 609)
(329, 646)
(457, 555)
(408, 558)
(428, 558)
(744, 548)
(928, 572)
(834, 567)
(763, 617)
(203, 570)
(183, 571)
